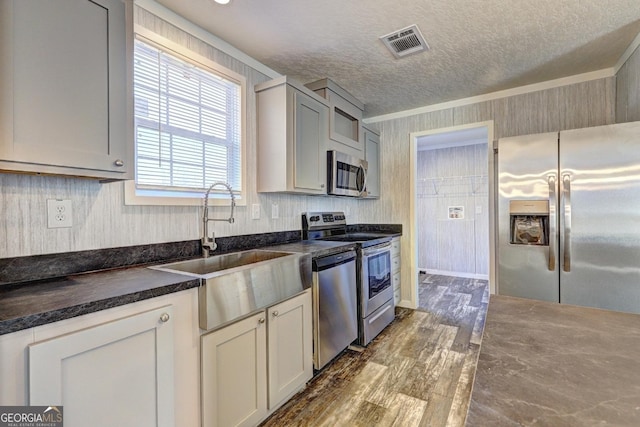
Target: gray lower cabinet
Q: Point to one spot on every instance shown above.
(121, 370)
(63, 88)
(290, 348)
(251, 367)
(130, 366)
(292, 135)
(234, 374)
(372, 156)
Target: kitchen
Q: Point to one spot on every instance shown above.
(101, 219)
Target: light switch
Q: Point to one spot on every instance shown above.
(255, 211)
(478, 209)
(275, 211)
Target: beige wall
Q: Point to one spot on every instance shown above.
(579, 105)
(101, 220)
(628, 90)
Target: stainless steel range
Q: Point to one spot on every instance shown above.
(373, 269)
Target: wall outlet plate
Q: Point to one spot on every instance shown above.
(59, 214)
(275, 211)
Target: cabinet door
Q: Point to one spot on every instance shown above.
(290, 348)
(63, 87)
(115, 374)
(372, 156)
(13, 367)
(310, 165)
(345, 123)
(234, 374)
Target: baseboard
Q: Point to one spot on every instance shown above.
(405, 303)
(455, 274)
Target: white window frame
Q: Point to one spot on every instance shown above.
(135, 196)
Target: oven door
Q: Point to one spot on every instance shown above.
(375, 280)
(346, 175)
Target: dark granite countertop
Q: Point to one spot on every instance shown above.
(33, 304)
(28, 304)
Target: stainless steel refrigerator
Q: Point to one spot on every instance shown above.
(569, 217)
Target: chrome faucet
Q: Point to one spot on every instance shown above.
(209, 243)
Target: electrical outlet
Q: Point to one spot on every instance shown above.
(478, 209)
(255, 211)
(59, 214)
(275, 214)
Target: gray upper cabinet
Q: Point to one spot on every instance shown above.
(64, 107)
(292, 137)
(372, 156)
(345, 118)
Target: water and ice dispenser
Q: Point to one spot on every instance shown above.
(529, 222)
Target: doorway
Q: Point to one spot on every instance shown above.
(452, 226)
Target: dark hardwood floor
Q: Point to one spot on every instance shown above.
(418, 372)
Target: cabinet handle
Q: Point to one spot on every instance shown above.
(261, 320)
(119, 163)
(275, 313)
(164, 317)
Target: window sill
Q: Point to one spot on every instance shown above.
(132, 197)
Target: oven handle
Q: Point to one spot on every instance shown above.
(376, 249)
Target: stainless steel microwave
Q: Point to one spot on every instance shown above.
(346, 175)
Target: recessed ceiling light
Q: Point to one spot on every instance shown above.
(222, 1)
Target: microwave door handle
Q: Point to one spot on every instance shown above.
(552, 222)
(566, 192)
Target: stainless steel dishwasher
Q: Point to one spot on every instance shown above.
(335, 306)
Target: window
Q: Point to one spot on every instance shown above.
(188, 124)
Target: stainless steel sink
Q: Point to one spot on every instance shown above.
(220, 264)
(238, 284)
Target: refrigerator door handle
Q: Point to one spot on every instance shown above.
(566, 190)
(552, 222)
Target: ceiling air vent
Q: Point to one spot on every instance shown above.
(405, 42)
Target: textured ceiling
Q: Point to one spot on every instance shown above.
(477, 46)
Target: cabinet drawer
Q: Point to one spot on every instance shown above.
(396, 296)
(395, 264)
(396, 281)
(395, 246)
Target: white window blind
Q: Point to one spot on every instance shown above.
(188, 124)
